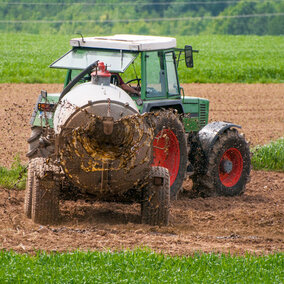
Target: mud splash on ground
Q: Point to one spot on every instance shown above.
(252, 222)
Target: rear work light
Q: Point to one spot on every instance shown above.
(46, 107)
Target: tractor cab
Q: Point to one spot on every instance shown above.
(147, 62)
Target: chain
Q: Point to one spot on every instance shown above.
(108, 107)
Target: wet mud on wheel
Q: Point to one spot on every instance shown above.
(36, 148)
(156, 198)
(42, 192)
(228, 169)
(169, 149)
(28, 192)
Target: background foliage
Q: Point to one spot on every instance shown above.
(156, 17)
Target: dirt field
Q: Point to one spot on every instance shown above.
(253, 222)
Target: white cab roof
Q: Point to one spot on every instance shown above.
(126, 42)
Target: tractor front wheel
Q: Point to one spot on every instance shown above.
(228, 167)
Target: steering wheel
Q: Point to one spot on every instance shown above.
(133, 80)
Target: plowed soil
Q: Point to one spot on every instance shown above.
(253, 222)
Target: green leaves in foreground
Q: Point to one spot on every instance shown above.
(269, 157)
(14, 177)
(139, 266)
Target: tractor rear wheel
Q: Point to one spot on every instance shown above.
(156, 198)
(170, 149)
(37, 153)
(29, 189)
(228, 167)
(35, 148)
(45, 193)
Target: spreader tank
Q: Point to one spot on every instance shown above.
(102, 140)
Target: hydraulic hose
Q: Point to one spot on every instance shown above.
(77, 79)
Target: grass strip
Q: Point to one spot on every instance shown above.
(221, 58)
(269, 157)
(14, 177)
(139, 266)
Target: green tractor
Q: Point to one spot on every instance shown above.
(141, 137)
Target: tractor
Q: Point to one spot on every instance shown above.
(98, 138)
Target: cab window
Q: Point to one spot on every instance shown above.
(171, 74)
(155, 75)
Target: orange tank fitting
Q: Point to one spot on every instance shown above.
(102, 72)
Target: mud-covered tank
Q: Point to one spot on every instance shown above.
(103, 143)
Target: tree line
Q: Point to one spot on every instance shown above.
(156, 17)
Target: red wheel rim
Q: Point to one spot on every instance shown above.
(166, 152)
(231, 167)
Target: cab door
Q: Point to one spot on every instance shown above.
(173, 88)
(153, 75)
(159, 75)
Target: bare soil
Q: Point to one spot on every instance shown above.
(253, 222)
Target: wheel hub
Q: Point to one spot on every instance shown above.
(226, 166)
(231, 167)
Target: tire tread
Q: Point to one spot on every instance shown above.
(156, 199)
(206, 185)
(45, 195)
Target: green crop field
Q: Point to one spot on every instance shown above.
(270, 156)
(248, 59)
(139, 266)
(15, 177)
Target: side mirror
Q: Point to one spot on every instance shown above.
(188, 56)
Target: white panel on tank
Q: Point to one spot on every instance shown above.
(82, 94)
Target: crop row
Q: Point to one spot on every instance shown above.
(139, 266)
(248, 59)
(270, 156)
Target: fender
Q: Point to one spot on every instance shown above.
(209, 134)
